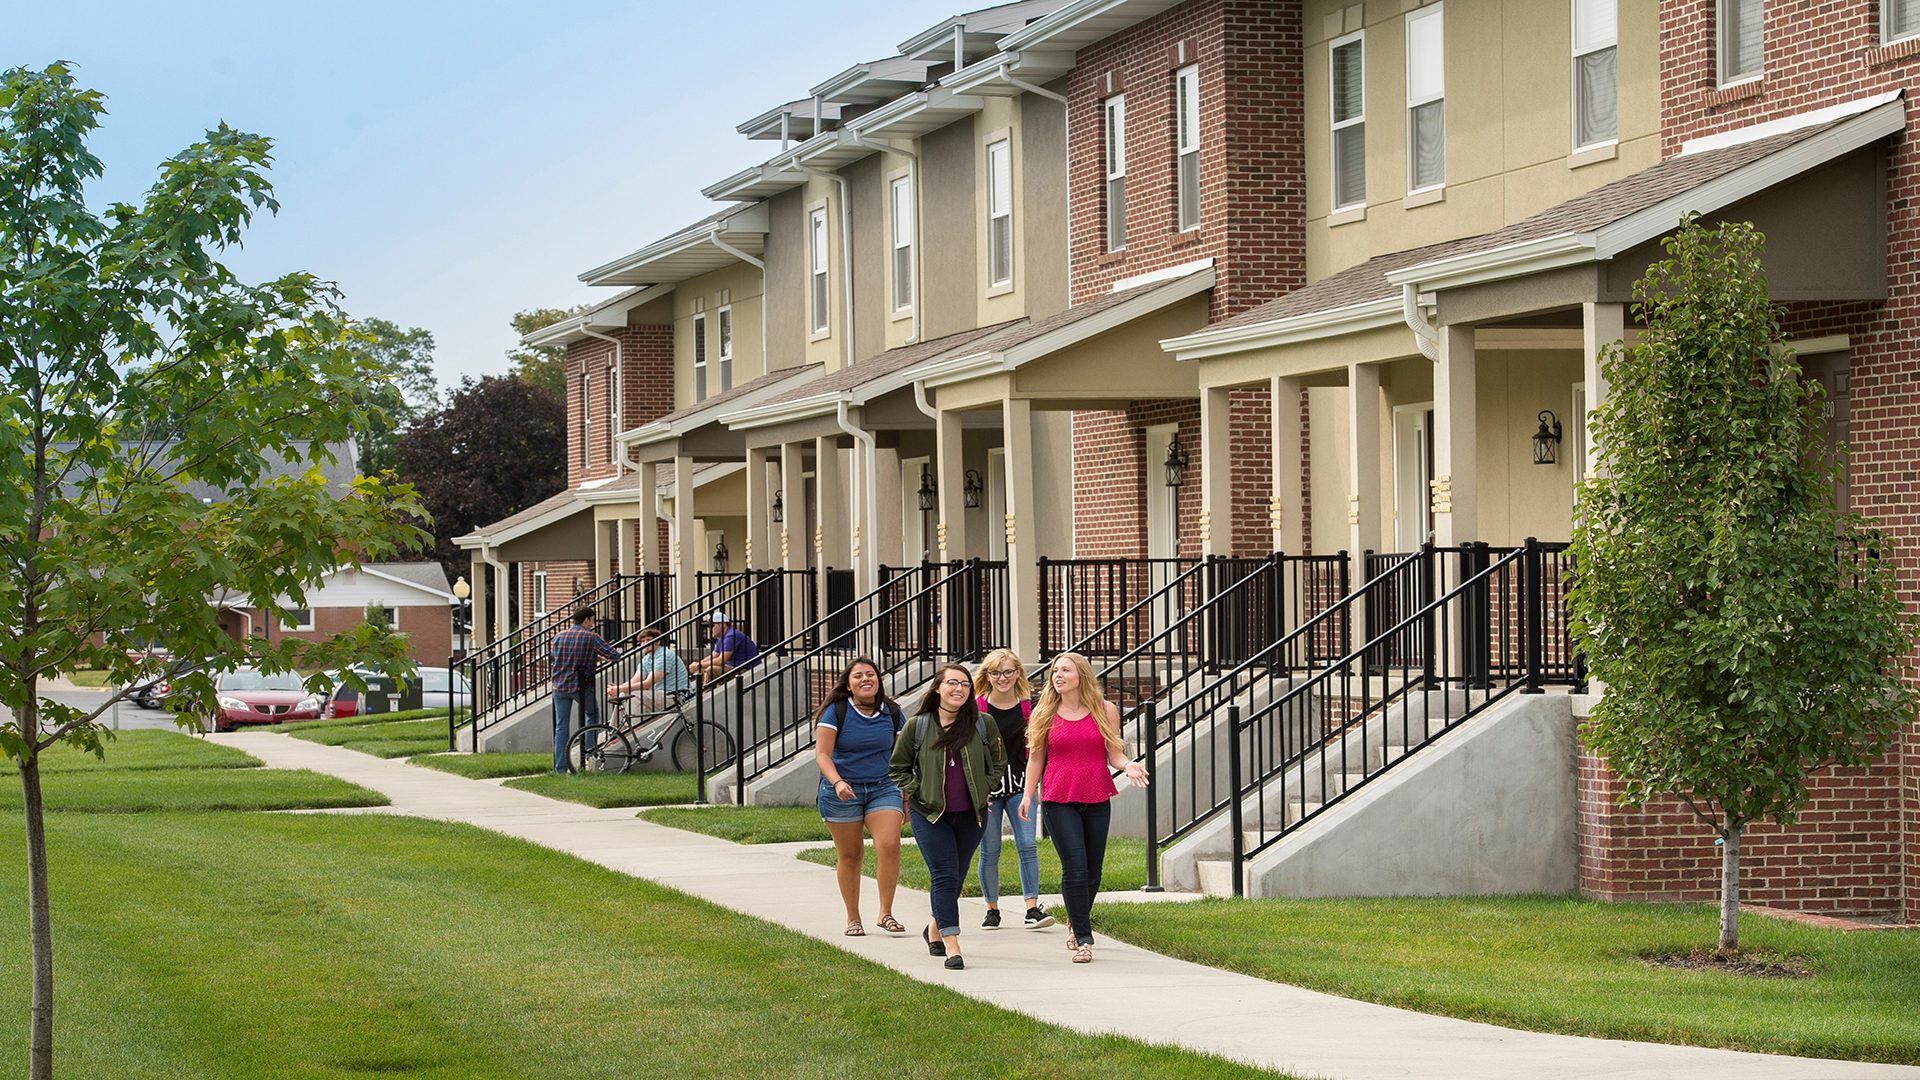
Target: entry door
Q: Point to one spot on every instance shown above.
(1162, 531)
(997, 504)
(1832, 372)
(914, 522)
(1412, 473)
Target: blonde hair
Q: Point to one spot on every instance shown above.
(1089, 696)
(983, 685)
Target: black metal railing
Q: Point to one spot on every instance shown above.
(1106, 607)
(916, 616)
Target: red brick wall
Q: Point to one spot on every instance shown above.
(646, 392)
(1249, 419)
(562, 577)
(1857, 848)
(429, 630)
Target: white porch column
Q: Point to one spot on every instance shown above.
(759, 505)
(623, 529)
(648, 534)
(1023, 528)
(950, 474)
(832, 531)
(1216, 471)
(1363, 481)
(794, 540)
(1287, 499)
(1601, 325)
(602, 552)
(686, 545)
(477, 579)
(1456, 464)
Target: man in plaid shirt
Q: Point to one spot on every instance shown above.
(575, 651)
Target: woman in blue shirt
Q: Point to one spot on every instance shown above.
(853, 739)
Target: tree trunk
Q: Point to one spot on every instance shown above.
(1730, 888)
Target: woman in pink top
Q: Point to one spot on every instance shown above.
(1073, 746)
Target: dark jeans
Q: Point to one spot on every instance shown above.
(562, 708)
(1079, 832)
(948, 846)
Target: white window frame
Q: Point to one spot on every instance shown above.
(613, 412)
(900, 221)
(1114, 147)
(1721, 53)
(288, 622)
(1186, 146)
(819, 290)
(1580, 50)
(586, 416)
(699, 335)
(1887, 36)
(1335, 125)
(723, 345)
(1436, 12)
(539, 593)
(999, 209)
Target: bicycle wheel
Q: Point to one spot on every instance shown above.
(598, 748)
(716, 752)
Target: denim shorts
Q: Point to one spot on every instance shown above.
(867, 798)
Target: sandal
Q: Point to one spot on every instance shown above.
(890, 924)
(1083, 954)
(854, 929)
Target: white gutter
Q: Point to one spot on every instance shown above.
(619, 380)
(846, 254)
(872, 498)
(913, 174)
(1424, 334)
(920, 399)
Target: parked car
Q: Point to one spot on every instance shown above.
(251, 696)
(439, 689)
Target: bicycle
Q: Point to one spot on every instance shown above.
(615, 746)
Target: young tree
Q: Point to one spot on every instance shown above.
(1748, 632)
(127, 312)
(544, 367)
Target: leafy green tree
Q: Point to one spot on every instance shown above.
(543, 367)
(1748, 632)
(390, 405)
(127, 311)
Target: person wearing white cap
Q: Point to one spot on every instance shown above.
(732, 648)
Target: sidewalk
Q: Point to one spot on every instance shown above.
(1126, 991)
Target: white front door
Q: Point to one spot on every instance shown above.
(913, 520)
(996, 504)
(1162, 540)
(1412, 472)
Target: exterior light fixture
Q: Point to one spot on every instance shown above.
(928, 493)
(779, 513)
(720, 556)
(972, 488)
(1176, 463)
(1546, 439)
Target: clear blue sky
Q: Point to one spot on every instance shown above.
(450, 164)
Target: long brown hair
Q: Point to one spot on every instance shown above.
(1088, 696)
(965, 721)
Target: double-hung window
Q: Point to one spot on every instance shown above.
(723, 326)
(901, 192)
(613, 411)
(1116, 112)
(1596, 97)
(1186, 146)
(1348, 114)
(700, 357)
(1739, 39)
(817, 253)
(586, 417)
(999, 212)
(539, 593)
(1899, 19)
(1426, 98)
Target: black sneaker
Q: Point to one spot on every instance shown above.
(1037, 919)
(992, 921)
(934, 948)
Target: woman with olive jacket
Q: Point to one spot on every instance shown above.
(945, 762)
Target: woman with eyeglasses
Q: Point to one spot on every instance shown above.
(1002, 692)
(945, 762)
(1073, 746)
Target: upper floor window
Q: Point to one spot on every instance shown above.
(1348, 114)
(1116, 129)
(1740, 41)
(1186, 145)
(999, 212)
(699, 358)
(613, 411)
(723, 326)
(1426, 99)
(586, 417)
(1899, 19)
(817, 254)
(901, 201)
(1596, 105)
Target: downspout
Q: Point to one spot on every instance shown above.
(913, 173)
(614, 412)
(871, 509)
(761, 266)
(846, 249)
(1424, 335)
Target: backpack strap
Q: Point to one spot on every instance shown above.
(920, 730)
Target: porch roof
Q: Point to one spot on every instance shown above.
(606, 315)
(1593, 227)
(548, 511)
(747, 394)
(855, 385)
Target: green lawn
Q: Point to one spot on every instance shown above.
(129, 791)
(1553, 964)
(386, 737)
(148, 749)
(1124, 867)
(746, 824)
(485, 766)
(611, 789)
(294, 726)
(247, 946)
(88, 677)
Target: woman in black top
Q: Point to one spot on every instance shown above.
(1004, 694)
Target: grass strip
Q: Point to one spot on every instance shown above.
(485, 766)
(387, 738)
(143, 791)
(436, 951)
(1123, 868)
(90, 678)
(1561, 965)
(294, 727)
(132, 751)
(611, 789)
(746, 824)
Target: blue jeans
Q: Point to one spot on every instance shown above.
(1079, 832)
(562, 714)
(1023, 842)
(947, 845)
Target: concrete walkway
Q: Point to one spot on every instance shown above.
(1126, 990)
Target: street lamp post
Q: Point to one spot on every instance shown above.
(461, 591)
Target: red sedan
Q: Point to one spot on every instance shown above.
(249, 696)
